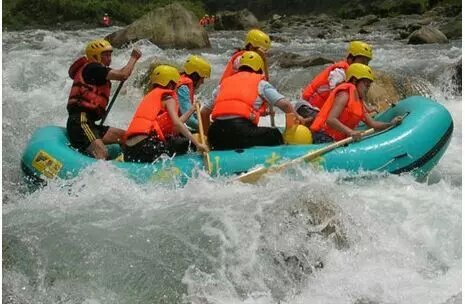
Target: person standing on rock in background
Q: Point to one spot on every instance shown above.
(345, 108)
(154, 129)
(256, 41)
(89, 97)
(196, 69)
(318, 90)
(106, 20)
(236, 108)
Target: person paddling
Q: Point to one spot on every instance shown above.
(256, 41)
(89, 97)
(237, 107)
(154, 129)
(345, 109)
(196, 69)
(317, 91)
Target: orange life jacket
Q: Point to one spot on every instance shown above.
(152, 117)
(229, 70)
(237, 95)
(92, 99)
(185, 80)
(317, 91)
(351, 115)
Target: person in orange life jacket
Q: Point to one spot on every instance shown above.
(256, 41)
(237, 107)
(155, 127)
(196, 69)
(317, 91)
(345, 109)
(89, 97)
(106, 20)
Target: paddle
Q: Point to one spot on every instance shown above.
(111, 103)
(206, 156)
(254, 175)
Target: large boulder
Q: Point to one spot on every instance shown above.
(238, 20)
(427, 34)
(171, 26)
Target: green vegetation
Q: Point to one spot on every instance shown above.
(18, 14)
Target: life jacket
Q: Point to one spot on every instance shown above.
(317, 91)
(229, 69)
(89, 98)
(185, 80)
(237, 95)
(151, 116)
(351, 115)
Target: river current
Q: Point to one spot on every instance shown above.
(312, 238)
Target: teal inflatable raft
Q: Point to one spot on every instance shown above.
(414, 146)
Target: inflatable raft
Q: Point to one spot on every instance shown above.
(414, 146)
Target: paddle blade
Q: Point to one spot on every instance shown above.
(253, 176)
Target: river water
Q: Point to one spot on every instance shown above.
(313, 238)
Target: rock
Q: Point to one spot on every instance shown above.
(453, 28)
(240, 20)
(171, 26)
(383, 91)
(288, 60)
(427, 34)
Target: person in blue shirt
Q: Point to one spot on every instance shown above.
(196, 69)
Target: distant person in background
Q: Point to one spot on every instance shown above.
(89, 97)
(106, 20)
(318, 90)
(196, 69)
(256, 41)
(345, 109)
(156, 126)
(204, 20)
(235, 108)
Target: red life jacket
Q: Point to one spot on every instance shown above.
(89, 98)
(185, 80)
(151, 116)
(229, 69)
(237, 95)
(351, 115)
(317, 91)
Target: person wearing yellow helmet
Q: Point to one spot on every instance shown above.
(89, 97)
(345, 109)
(196, 69)
(255, 40)
(317, 91)
(156, 127)
(237, 105)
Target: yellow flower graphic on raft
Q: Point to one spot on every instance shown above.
(166, 174)
(271, 161)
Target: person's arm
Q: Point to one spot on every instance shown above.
(124, 73)
(186, 106)
(273, 97)
(336, 77)
(380, 125)
(207, 109)
(170, 104)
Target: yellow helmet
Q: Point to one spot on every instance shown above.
(196, 64)
(298, 135)
(360, 48)
(252, 60)
(95, 48)
(258, 39)
(359, 71)
(163, 74)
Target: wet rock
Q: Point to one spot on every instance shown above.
(427, 34)
(288, 60)
(237, 20)
(171, 26)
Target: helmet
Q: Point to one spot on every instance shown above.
(298, 135)
(360, 48)
(95, 48)
(252, 60)
(359, 71)
(196, 64)
(258, 39)
(163, 74)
